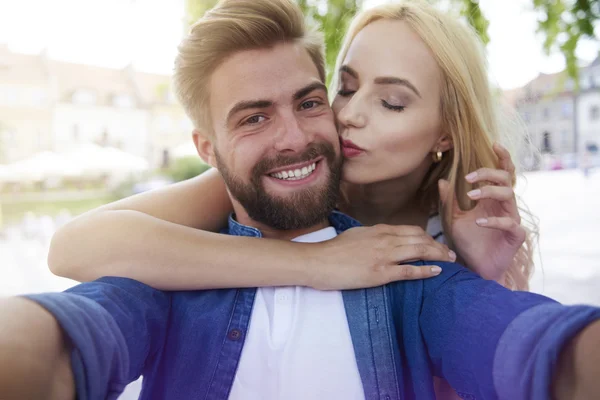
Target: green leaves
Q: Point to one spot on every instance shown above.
(564, 23)
(333, 17)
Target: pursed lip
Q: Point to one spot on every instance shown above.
(294, 166)
(350, 145)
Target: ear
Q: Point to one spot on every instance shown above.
(204, 147)
(443, 144)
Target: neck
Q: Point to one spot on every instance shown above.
(392, 202)
(268, 232)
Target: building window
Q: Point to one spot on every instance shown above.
(585, 82)
(567, 109)
(123, 101)
(75, 133)
(546, 143)
(594, 113)
(565, 137)
(86, 97)
(9, 96)
(546, 113)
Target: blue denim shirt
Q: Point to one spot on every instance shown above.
(486, 341)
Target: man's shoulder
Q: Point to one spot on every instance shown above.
(342, 222)
(452, 274)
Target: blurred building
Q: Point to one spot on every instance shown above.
(562, 120)
(588, 108)
(26, 105)
(52, 105)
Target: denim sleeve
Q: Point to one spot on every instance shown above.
(113, 326)
(491, 343)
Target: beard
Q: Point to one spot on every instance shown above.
(301, 209)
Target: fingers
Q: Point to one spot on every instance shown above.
(499, 193)
(412, 272)
(497, 176)
(432, 251)
(506, 224)
(504, 158)
(400, 230)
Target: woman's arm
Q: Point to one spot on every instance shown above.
(162, 238)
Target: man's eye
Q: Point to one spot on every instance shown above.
(255, 119)
(309, 104)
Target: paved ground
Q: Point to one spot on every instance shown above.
(568, 268)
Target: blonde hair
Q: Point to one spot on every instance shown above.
(468, 111)
(233, 26)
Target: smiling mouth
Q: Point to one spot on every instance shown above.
(295, 174)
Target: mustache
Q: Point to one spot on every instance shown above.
(280, 160)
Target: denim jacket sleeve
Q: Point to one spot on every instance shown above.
(114, 325)
(490, 342)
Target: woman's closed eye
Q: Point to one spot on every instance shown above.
(346, 92)
(392, 106)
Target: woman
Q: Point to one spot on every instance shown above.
(417, 126)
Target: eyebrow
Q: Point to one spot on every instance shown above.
(253, 104)
(390, 80)
(384, 80)
(246, 105)
(308, 89)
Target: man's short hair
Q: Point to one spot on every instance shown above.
(230, 27)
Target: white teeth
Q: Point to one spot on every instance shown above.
(295, 174)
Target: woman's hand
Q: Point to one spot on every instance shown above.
(370, 256)
(488, 236)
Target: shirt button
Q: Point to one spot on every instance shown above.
(234, 334)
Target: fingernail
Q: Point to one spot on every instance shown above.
(471, 177)
(452, 255)
(436, 270)
(481, 221)
(474, 194)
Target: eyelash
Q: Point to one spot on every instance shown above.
(346, 93)
(392, 107)
(246, 121)
(315, 102)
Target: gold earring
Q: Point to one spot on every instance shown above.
(437, 156)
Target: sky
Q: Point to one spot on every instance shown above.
(145, 33)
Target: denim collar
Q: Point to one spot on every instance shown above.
(338, 220)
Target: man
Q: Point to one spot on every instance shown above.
(252, 78)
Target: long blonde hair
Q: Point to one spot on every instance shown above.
(469, 113)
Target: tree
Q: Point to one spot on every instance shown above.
(564, 23)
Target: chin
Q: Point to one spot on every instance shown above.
(354, 175)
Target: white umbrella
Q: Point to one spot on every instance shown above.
(41, 166)
(97, 160)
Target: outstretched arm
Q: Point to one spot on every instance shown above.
(34, 357)
(92, 340)
(165, 239)
(490, 342)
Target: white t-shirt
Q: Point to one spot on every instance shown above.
(435, 228)
(298, 345)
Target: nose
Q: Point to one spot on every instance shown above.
(352, 114)
(291, 136)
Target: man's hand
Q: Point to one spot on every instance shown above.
(370, 256)
(34, 359)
